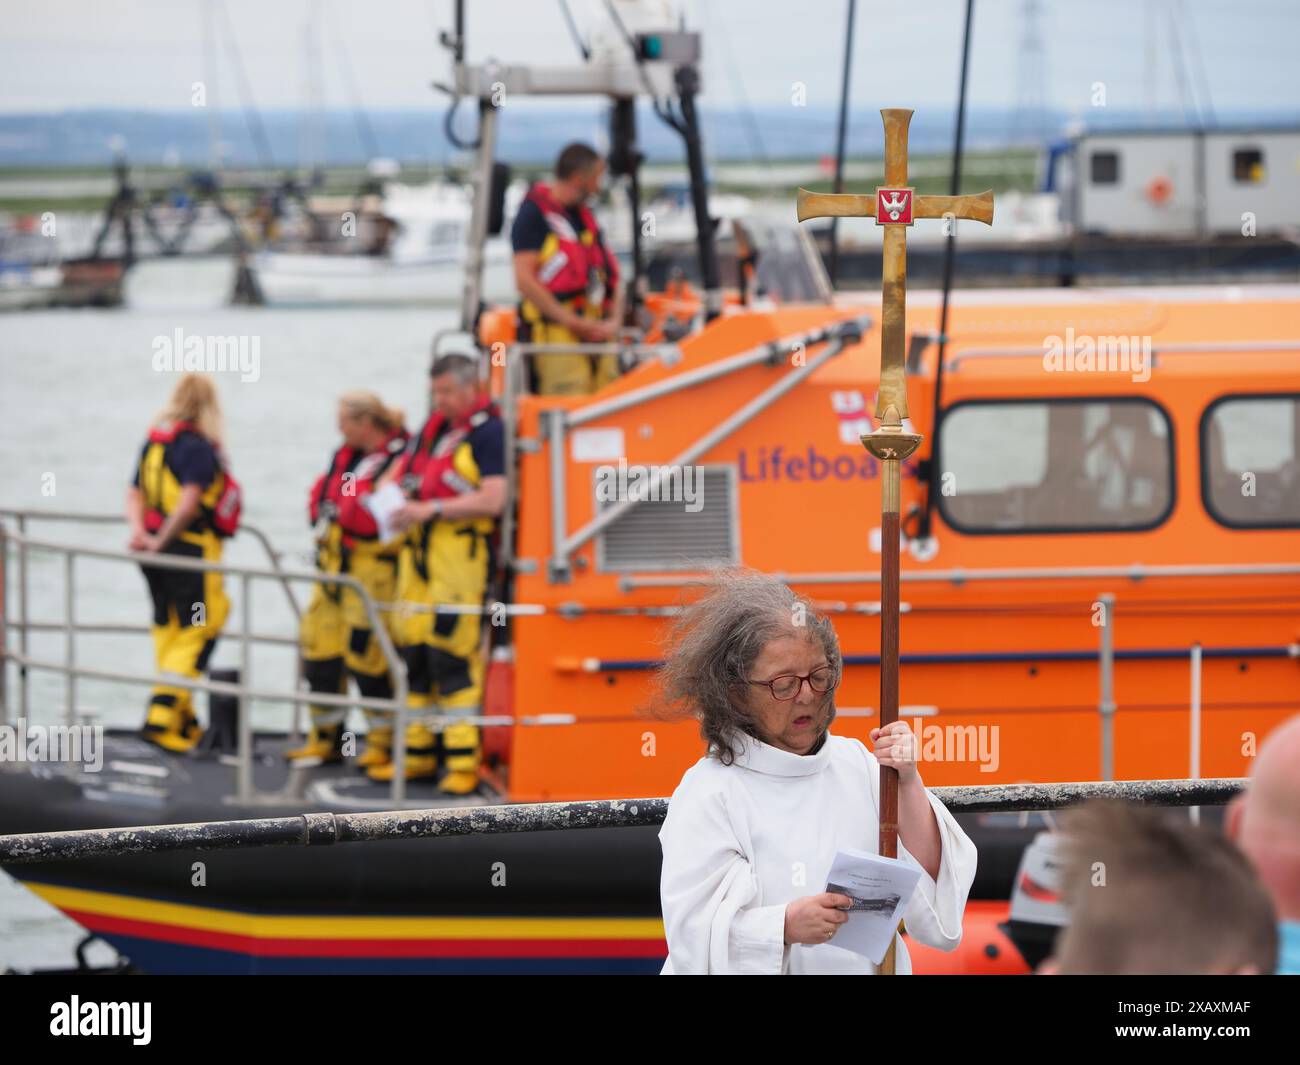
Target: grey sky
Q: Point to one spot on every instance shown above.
(57, 54)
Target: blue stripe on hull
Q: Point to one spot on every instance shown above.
(177, 959)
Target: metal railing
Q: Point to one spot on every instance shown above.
(558, 421)
(21, 517)
(324, 829)
(515, 386)
(244, 691)
(1106, 653)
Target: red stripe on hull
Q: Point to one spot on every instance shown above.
(258, 946)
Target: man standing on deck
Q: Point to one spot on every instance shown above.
(567, 276)
(453, 474)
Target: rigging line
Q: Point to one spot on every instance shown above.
(926, 513)
(1180, 70)
(210, 76)
(252, 118)
(841, 136)
(1198, 62)
(753, 130)
(573, 31)
(365, 132)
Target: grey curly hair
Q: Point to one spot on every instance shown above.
(713, 643)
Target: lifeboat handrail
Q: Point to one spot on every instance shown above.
(1135, 572)
(1207, 347)
(326, 829)
(557, 421)
(242, 690)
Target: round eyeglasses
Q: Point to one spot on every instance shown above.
(788, 685)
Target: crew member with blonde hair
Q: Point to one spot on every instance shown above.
(182, 502)
(336, 635)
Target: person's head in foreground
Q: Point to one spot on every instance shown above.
(752, 658)
(1151, 894)
(1265, 823)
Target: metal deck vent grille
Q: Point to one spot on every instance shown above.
(664, 535)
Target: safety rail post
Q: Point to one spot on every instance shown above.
(24, 695)
(4, 625)
(69, 645)
(1194, 769)
(244, 704)
(558, 565)
(1106, 671)
(397, 672)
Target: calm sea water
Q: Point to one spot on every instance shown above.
(77, 392)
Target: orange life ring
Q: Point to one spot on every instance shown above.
(1159, 189)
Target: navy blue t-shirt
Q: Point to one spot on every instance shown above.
(192, 460)
(488, 446)
(530, 230)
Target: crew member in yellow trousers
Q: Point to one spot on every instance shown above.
(335, 636)
(321, 631)
(453, 473)
(373, 563)
(183, 503)
(567, 276)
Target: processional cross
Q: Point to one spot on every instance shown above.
(895, 206)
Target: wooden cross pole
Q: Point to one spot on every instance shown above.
(895, 206)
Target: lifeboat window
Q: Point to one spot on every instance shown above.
(1043, 466)
(1104, 168)
(693, 521)
(1248, 166)
(1250, 461)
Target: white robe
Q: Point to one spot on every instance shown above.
(740, 842)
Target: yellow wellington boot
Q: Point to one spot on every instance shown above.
(171, 729)
(323, 742)
(379, 747)
(462, 753)
(421, 756)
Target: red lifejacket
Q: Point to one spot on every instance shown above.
(354, 516)
(428, 470)
(327, 491)
(568, 272)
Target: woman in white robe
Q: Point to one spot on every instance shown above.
(753, 827)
